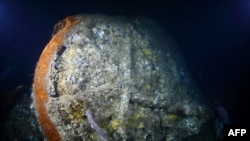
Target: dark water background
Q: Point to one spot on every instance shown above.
(214, 38)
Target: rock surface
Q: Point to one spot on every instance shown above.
(21, 123)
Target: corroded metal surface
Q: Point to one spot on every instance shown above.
(126, 71)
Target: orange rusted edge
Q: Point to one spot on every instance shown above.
(39, 87)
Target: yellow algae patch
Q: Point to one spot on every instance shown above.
(172, 116)
(114, 124)
(141, 125)
(147, 52)
(71, 53)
